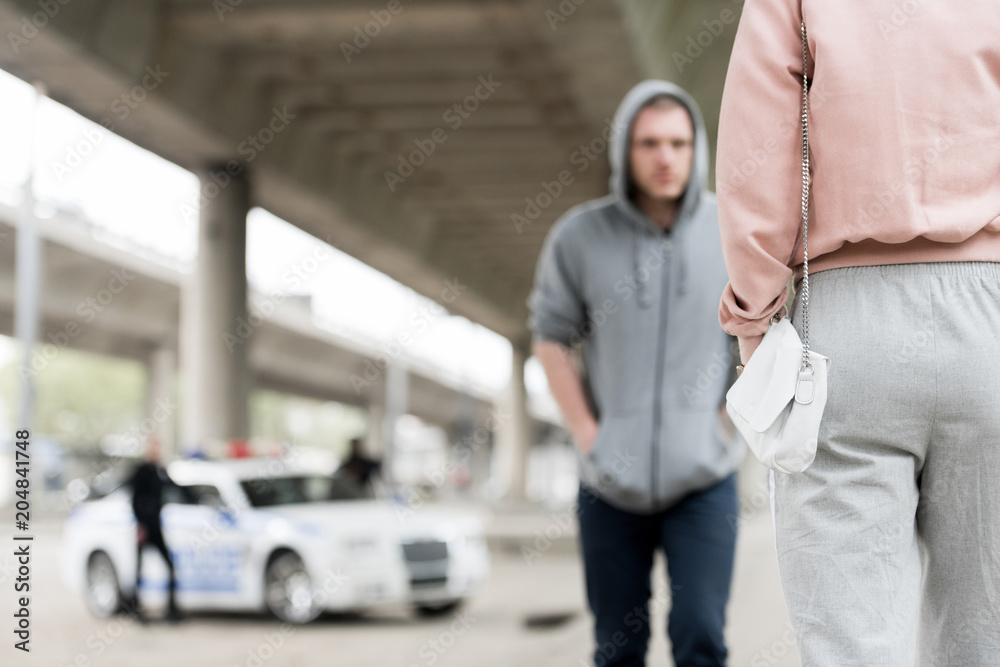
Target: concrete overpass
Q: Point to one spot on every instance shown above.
(101, 297)
(408, 133)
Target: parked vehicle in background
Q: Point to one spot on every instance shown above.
(267, 535)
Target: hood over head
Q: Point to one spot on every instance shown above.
(618, 158)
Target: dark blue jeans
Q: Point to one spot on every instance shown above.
(698, 538)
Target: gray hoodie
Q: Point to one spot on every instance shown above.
(643, 303)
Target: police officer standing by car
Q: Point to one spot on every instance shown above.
(147, 482)
(359, 467)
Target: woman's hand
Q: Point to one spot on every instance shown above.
(747, 347)
(725, 425)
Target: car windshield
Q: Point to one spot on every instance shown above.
(270, 491)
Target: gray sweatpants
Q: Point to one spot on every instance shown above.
(897, 522)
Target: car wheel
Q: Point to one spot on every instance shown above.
(104, 594)
(288, 590)
(437, 608)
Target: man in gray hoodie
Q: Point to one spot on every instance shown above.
(634, 278)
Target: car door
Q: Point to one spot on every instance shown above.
(208, 546)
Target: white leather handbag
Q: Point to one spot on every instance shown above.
(777, 402)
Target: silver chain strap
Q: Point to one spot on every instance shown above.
(805, 204)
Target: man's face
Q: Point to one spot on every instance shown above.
(153, 450)
(661, 152)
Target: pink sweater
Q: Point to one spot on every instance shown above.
(904, 135)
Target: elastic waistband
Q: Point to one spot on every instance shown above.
(984, 269)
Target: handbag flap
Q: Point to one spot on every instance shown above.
(768, 380)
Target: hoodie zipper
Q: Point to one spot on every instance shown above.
(660, 354)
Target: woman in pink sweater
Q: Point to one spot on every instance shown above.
(897, 518)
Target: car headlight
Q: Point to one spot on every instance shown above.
(470, 541)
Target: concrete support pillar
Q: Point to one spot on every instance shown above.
(161, 407)
(397, 386)
(28, 276)
(514, 433)
(482, 461)
(27, 302)
(216, 330)
(462, 445)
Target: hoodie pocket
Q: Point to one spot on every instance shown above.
(705, 456)
(619, 461)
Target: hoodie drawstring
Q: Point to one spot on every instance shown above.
(682, 274)
(642, 291)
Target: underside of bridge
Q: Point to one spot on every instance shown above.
(435, 140)
(409, 133)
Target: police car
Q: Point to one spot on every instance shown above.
(267, 535)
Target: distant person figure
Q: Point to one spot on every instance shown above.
(636, 276)
(359, 467)
(147, 482)
(904, 298)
